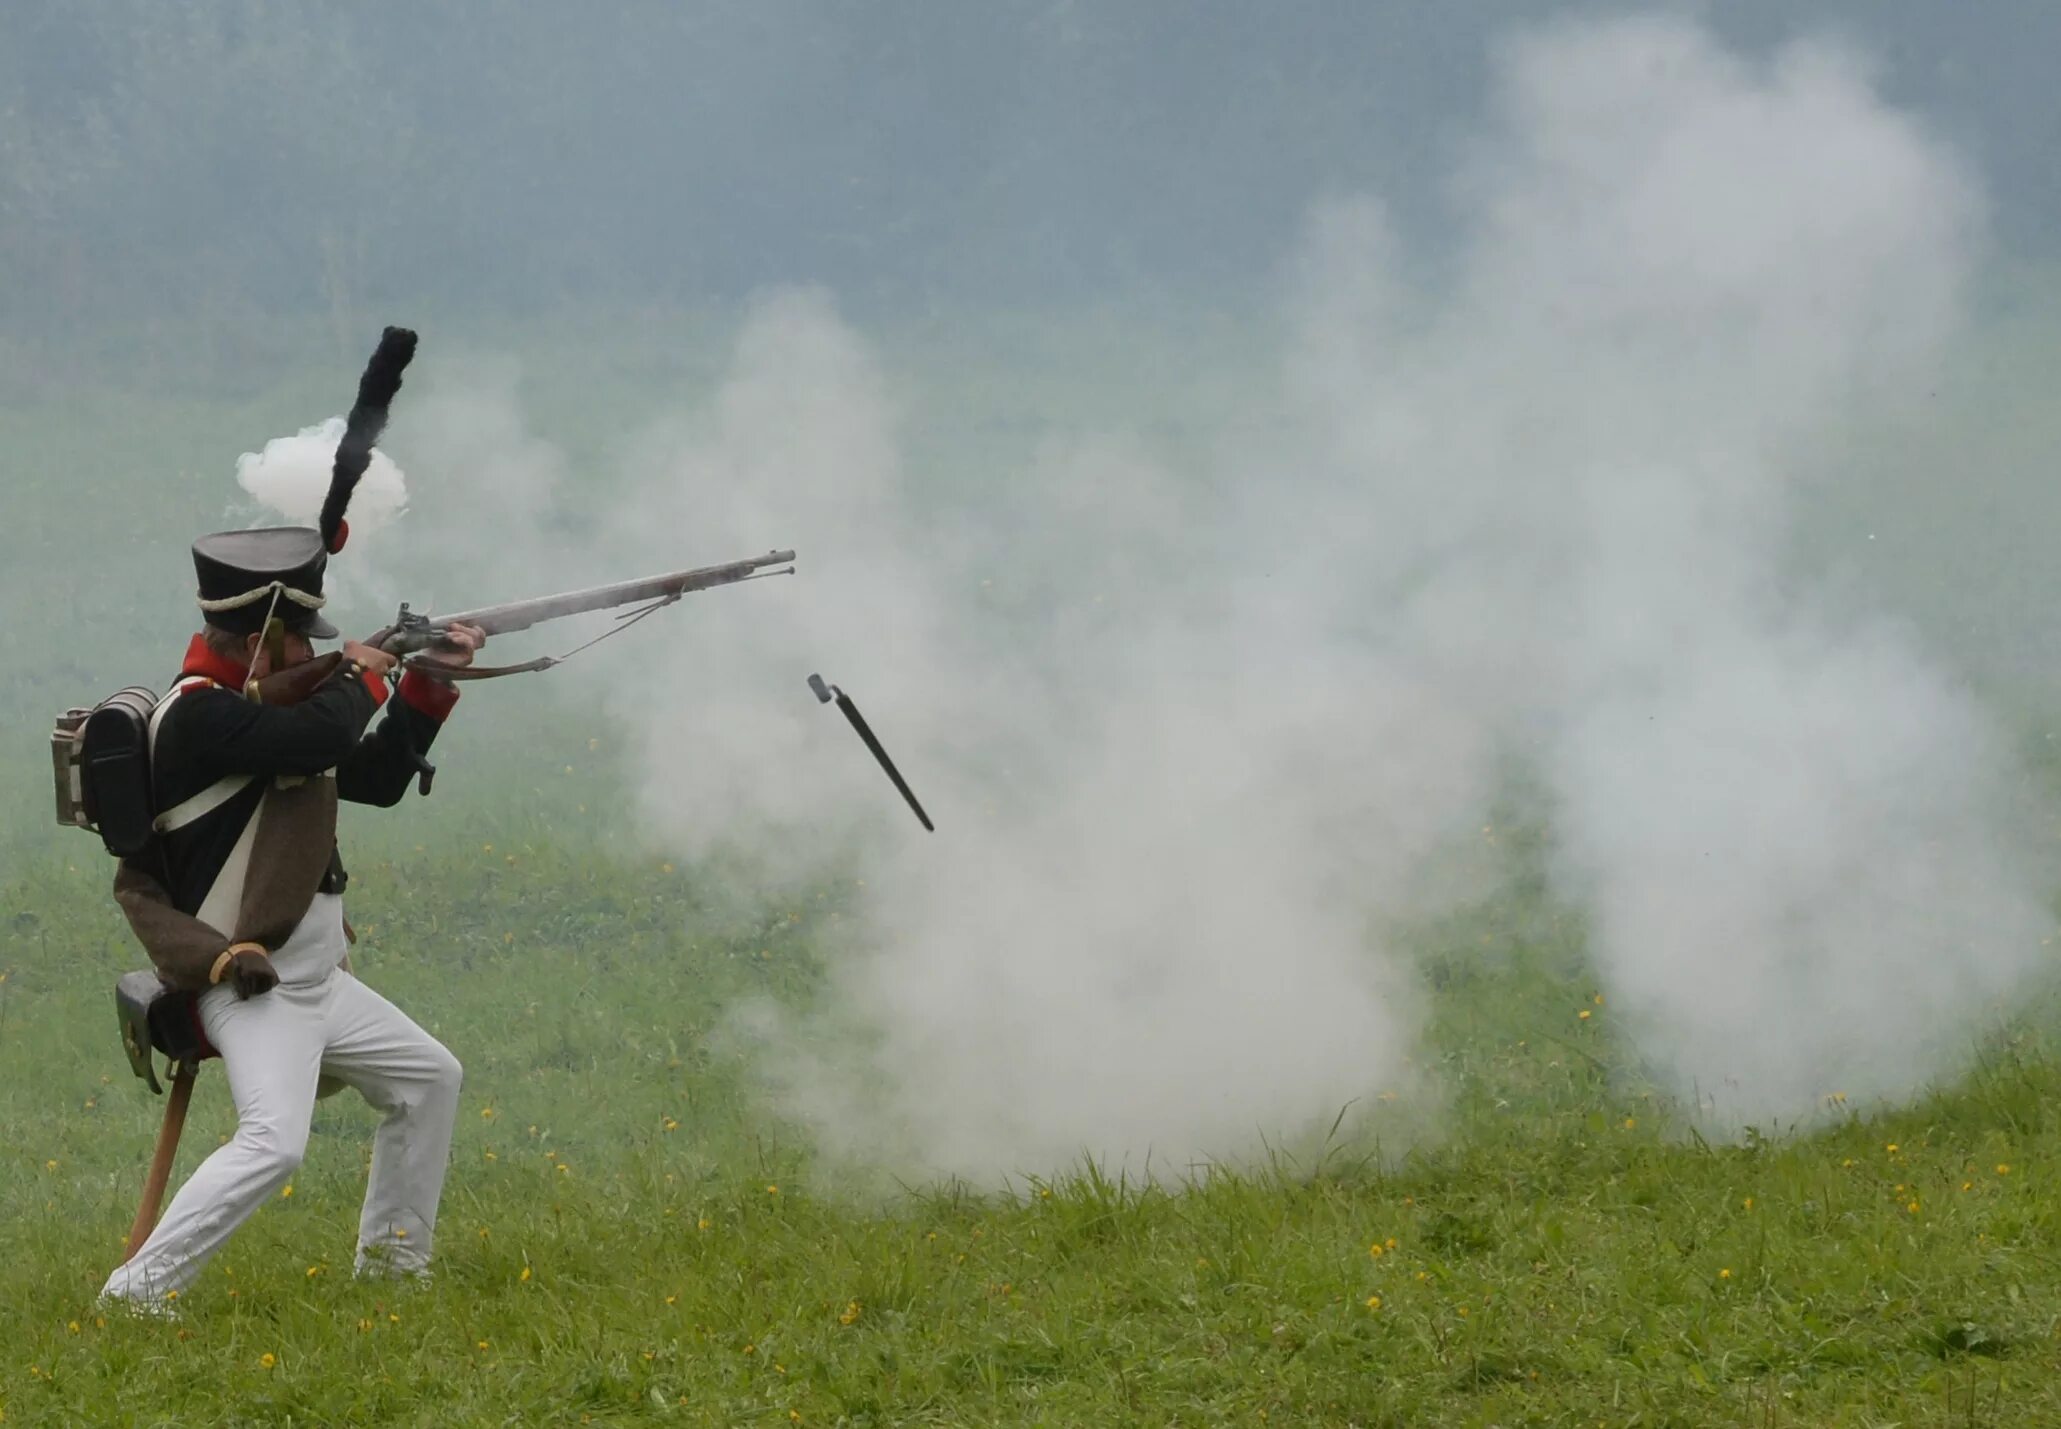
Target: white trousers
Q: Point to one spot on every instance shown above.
(320, 1021)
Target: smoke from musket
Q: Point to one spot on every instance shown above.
(290, 477)
(1199, 742)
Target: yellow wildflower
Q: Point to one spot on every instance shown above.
(268, 1359)
(772, 1190)
(482, 1344)
(313, 1271)
(525, 1274)
(2003, 1168)
(1375, 1250)
(851, 1314)
(1585, 1014)
(1373, 1302)
(1891, 1148)
(286, 1191)
(1725, 1274)
(73, 1327)
(486, 1113)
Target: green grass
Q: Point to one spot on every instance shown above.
(613, 1246)
(1562, 1237)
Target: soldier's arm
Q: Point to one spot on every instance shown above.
(182, 948)
(378, 768)
(230, 735)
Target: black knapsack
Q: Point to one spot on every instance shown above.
(101, 758)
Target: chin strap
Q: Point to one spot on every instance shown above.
(273, 639)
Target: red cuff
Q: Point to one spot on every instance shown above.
(377, 684)
(427, 696)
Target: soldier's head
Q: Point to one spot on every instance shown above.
(250, 578)
(250, 650)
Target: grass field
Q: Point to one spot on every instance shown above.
(627, 1236)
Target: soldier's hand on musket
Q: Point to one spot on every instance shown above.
(454, 647)
(370, 657)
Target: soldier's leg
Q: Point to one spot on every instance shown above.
(271, 1054)
(408, 1074)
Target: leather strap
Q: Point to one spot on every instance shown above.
(438, 671)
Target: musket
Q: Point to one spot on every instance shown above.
(411, 632)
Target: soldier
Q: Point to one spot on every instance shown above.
(240, 903)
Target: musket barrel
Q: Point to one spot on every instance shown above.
(522, 614)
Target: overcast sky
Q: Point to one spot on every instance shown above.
(163, 155)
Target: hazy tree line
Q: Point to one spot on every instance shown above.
(176, 172)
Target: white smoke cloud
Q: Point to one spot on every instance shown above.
(1199, 743)
(1680, 265)
(290, 478)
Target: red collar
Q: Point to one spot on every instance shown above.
(202, 660)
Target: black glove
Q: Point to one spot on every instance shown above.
(252, 973)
